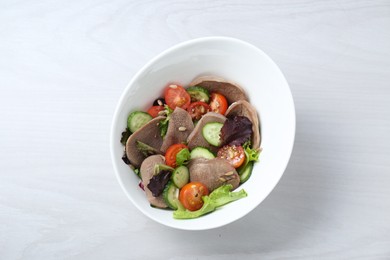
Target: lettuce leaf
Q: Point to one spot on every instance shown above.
(236, 130)
(125, 159)
(125, 135)
(251, 155)
(145, 149)
(157, 182)
(162, 167)
(223, 195)
(183, 157)
(215, 199)
(162, 174)
(163, 125)
(183, 213)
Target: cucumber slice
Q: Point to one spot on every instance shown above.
(201, 152)
(246, 172)
(137, 119)
(198, 94)
(180, 176)
(211, 132)
(171, 195)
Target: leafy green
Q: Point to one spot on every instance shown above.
(162, 167)
(125, 159)
(251, 155)
(236, 130)
(223, 195)
(146, 149)
(183, 157)
(163, 125)
(125, 135)
(215, 199)
(183, 213)
(157, 182)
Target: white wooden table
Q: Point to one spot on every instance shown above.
(64, 64)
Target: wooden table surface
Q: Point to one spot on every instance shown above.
(64, 65)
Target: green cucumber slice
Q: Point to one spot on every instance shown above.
(211, 132)
(246, 172)
(198, 94)
(201, 152)
(171, 195)
(180, 176)
(137, 119)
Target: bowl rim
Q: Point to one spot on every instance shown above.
(135, 77)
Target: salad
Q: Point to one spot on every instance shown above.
(194, 146)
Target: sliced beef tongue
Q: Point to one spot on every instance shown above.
(196, 137)
(179, 128)
(213, 172)
(244, 108)
(148, 134)
(147, 173)
(230, 90)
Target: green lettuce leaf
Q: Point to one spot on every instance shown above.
(223, 195)
(215, 199)
(162, 167)
(163, 125)
(145, 149)
(251, 155)
(183, 157)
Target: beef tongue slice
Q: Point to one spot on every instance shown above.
(232, 91)
(148, 134)
(147, 172)
(213, 173)
(179, 128)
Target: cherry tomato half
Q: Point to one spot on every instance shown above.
(198, 109)
(154, 110)
(170, 155)
(191, 195)
(177, 96)
(218, 103)
(234, 154)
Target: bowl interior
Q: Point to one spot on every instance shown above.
(268, 91)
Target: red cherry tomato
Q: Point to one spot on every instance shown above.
(176, 96)
(154, 110)
(218, 103)
(191, 195)
(234, 154)
(170, 155)
(198, 109)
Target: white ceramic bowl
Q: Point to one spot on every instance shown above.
(234, 60)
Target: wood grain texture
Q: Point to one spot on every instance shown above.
(64, 65)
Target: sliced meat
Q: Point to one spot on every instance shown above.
(179, 128)
(213, 173)
(243, 108)
(148, 134)
(147, 172)
(196, 138)
(230, 90)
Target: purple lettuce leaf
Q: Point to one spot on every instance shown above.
(157, 182)
(236, 130)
